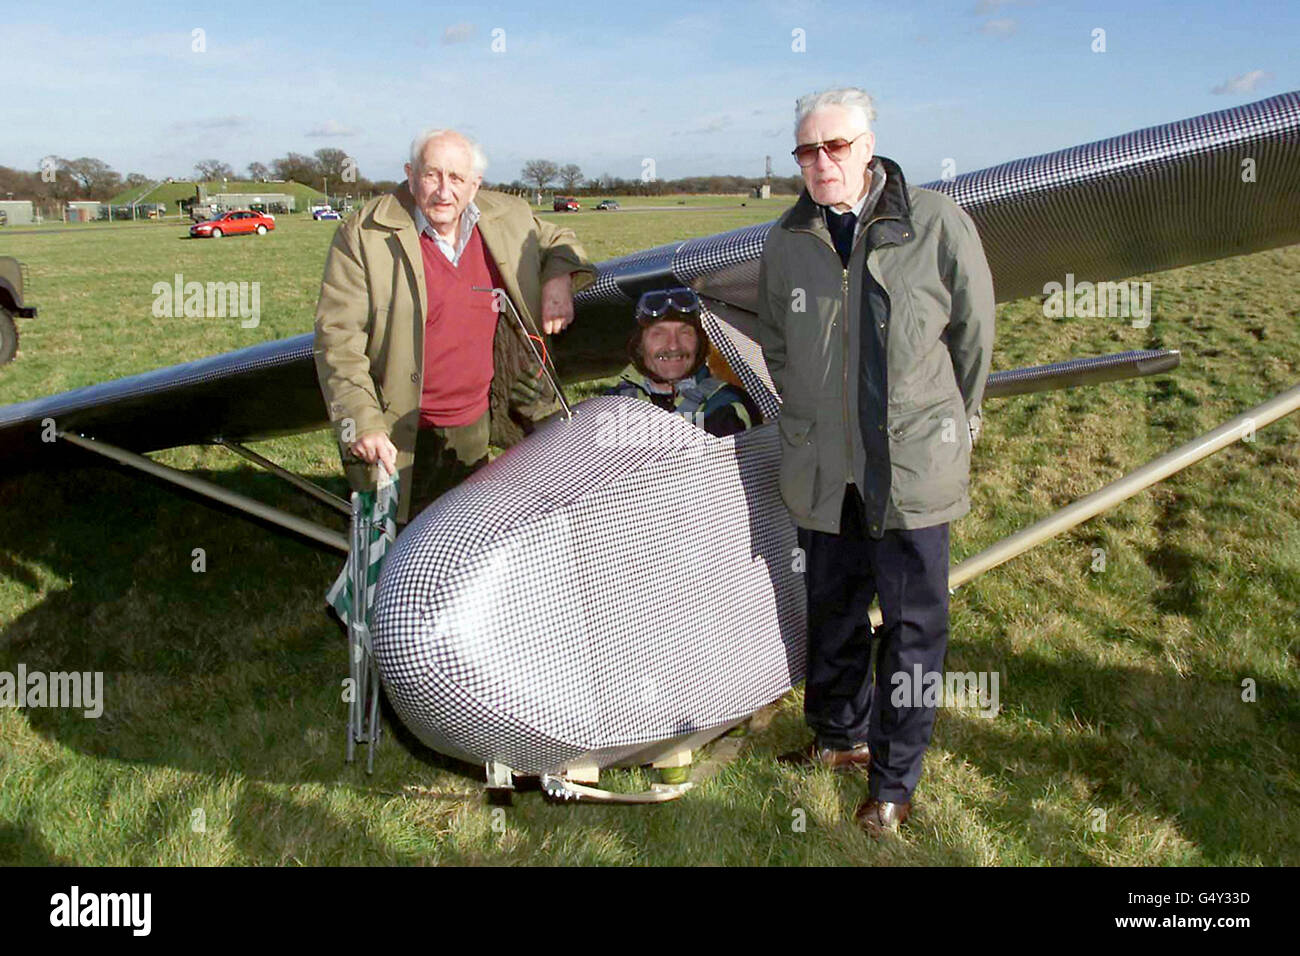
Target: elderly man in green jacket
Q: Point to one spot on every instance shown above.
(876, 320)
(419, 370)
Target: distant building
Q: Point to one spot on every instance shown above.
(17, 212)
(763, 192)
(86, 210)
(262, 202)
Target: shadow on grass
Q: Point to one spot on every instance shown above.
(270, 828)
(1139, 744)
(22, 845)
(207, 670)
(238, 669)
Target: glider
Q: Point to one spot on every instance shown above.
(566, 609)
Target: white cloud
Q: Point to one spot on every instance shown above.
(331, 128)
(1001, 27)
(714, 125)
(985, 7)
(213, 122)
(1246, 83)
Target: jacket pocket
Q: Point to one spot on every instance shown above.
(798, 464)
(929, 450)
(377, 336)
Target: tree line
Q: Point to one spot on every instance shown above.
(540, 174)
(58, 179)
(329, 170)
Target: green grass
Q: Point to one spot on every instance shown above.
(1120, 690)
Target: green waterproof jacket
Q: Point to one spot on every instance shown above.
(894, 414)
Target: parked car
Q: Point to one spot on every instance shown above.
(607, 204)
(234, 223)
(565, 204)
(325, 212)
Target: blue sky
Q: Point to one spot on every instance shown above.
(698, 88)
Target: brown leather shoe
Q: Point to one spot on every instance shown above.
(857, 757)
(877, 816)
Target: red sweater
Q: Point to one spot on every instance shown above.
(458, 332)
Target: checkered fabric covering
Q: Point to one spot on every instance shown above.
(614, 580)
(1145, 201)
(745, 356)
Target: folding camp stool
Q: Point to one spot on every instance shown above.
(363, 707)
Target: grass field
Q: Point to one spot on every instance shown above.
(1123, 737)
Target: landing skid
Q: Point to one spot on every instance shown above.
(575, 783)
(558, 788)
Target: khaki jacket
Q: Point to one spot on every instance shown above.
(918, 282)
(371, 313)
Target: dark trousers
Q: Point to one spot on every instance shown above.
(844, 702)
(444, 457)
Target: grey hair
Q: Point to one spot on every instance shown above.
(478, 158)
(847, 96)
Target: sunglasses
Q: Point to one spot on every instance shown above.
(653, 305)
(836, 149)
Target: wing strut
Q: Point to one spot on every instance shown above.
(1241, 427)
(299, 482)
(1081, 371)
(308, 529)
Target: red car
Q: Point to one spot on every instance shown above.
(565, 204)
(233, 223)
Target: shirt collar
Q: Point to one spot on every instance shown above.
(857, 209)
(467, 220)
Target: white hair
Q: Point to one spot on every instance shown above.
(478, 158)
(849, 97)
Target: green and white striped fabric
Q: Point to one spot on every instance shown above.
(380, 506)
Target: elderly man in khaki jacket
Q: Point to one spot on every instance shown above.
(420, 371)
(876, 320)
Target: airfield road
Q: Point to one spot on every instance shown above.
(1148, 684)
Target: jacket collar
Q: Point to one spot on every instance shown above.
(638, 378)
(893, 203)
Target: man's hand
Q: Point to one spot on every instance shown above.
(557, 304)
(376, 447)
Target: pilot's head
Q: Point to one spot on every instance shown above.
(668, 343)
(834, 144)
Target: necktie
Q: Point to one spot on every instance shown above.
(842, 227)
